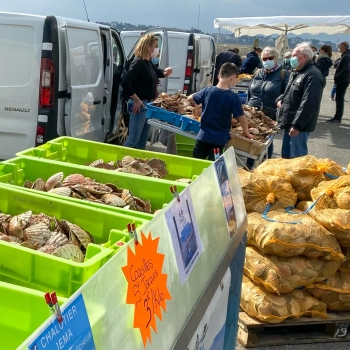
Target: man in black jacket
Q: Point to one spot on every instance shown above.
(300, 104)
(341, 79)
(225, 57)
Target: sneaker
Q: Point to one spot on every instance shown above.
(335, 121)
(329, 120)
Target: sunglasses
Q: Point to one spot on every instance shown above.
(268, 58)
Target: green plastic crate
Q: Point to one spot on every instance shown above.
(22, 311)
(15, 171)
(37, 270)
(76, 151)
(184, 146)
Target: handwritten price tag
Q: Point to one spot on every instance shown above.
(147, 285)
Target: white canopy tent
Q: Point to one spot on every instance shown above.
(285, 24)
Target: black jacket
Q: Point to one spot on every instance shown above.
(342, 73)
(141, 79)
(323, 64)
(266, 88)
(225, 57)
(302, 99)
(251, 62)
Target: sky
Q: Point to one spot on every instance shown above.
(182, 14)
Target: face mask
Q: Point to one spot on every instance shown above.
(155, 60)
(269, 64)
(294, 62)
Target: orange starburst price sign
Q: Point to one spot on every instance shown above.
(147, 285)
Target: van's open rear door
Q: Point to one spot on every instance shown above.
(162, 35)
(84, 67)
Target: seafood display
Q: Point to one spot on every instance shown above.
(154, 167)
(178, 103)
(45, 234)
(244, 77)
(84, 188)
(260, 126)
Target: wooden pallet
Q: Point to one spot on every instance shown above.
(254, 333)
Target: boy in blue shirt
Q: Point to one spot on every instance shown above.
(219, 104)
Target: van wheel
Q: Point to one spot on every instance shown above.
(122, 131)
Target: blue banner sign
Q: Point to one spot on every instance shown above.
(73, 333)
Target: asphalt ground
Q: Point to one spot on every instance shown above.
(327, 141)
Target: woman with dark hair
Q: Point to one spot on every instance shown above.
(252, 62)
(140, 85)
(324, 61)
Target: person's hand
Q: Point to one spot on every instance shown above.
(293, 132)
(168, 71)
(137, 107)
(279, 104)
(248, 135)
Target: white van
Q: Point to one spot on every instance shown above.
(191, 56)
(60, 76)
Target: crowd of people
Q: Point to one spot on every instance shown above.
(289, 92)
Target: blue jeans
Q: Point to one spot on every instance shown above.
(293, 147)
(139, 130)
(333, 92)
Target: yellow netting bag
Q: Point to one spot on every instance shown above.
(304, 173)
(335, 292)
(333, 194)
(282, 275)
(345, 266)
(273, 308)
(283, 238)
(260, 190)
(336, 221)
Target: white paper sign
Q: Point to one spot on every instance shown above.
(182, 225)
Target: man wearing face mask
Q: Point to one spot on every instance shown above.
(341, 79)
(300, 104)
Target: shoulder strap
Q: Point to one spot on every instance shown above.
(283, 71)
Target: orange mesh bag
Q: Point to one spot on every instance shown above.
(279, 236)
(260, 190)
(257, 302)
(305, 173)
(345, 266)
(282, 275)
(336, 221)
(273, 167)
(333, 194)
(334, 292)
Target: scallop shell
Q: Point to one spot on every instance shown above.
(77, 235)
(18, 223)
(28, 184)
(159, 165)
(105, 166)
(141, 205)
(277, 300)
(128, 198)
(41, 218)
(184, 180)
(37, 235)
(69, 252)
(53, 181)
(119, 163)
(73, 179)
(114, 188)
(138, 169)
(29, 245)
(5, 238)
(4, 217)
(96, 162)
(62, 191)
(39, 185)
(113, 200)
(48, 249)
(57, 239)
(111, 163)
(97, 189)
(126, 161)
(80, 191)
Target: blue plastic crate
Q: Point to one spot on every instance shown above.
(243, 97)
(178, 120)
